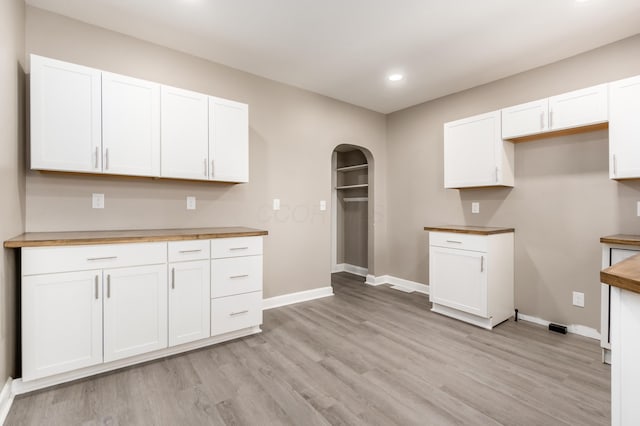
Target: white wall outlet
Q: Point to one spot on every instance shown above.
(97, 201)
(475, 207)
(191, 203)
(578, 299)
(323, 205)
(276, 203)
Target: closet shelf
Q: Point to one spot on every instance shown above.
(352, 168)
(364, 185)
(355, 199)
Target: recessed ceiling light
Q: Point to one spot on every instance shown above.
(395, 77)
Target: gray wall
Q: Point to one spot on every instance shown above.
(12, 192)
(292, 137)
(562, 203)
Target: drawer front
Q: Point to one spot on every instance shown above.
(188, 250)
(458, 241)
(236, 275)
(233, 247)
(42, 260)
(236, 312)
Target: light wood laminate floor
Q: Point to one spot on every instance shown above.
(368, 355)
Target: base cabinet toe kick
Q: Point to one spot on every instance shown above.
(88, 309)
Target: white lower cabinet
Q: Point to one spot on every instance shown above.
(471, 277)
(61, 322)
(135, 311)
(235, 312)
(189, 297)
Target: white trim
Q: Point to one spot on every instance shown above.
(352, 269)
(301, 296)
(581, 330)
(19, 387)
(408, 286)
(6, 400)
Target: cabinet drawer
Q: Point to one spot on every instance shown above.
(188, 250)
(41, 260)
(236, 312)
(233, 247)
(458, 241)
(236, 275)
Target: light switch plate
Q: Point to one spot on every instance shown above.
(323, 205)
(191, 203)
(276, 204)
(475, 207)
(578, 299)
(97, 201)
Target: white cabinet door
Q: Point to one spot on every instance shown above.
(130, 126)
(189, 301)
(458, 279)
(579, 108)
(61, 323)
(184, 133)
(525, 119)
(65, 116)
(624, 128)
(475, 154)
(228, 140)
(135, 311)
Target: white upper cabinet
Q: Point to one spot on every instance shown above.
(579, 108)
(624, 128)
(525, 119)
(65, 116)
(228, 140)
(130, 126)
(475, 154)
(184, 133)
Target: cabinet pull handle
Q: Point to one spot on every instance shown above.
(173, 278)
(233, 314)
(454, 241)
(190, 251)
(212, 168)
(205, 167)
(550, 119)
(239, 248)
(95, 161)
(496, 174)
(95, 284)
(106, 159)
(481, 263)
(108, 286)
(238, 276)
(542, 120)
(102, 258)
(615, 166)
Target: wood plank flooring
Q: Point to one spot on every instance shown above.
(367, 356)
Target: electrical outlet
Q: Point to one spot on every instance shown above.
(578, 299)
(191, 203)
(475, 207)
(323, 205)
(97, 201)
(276, 204)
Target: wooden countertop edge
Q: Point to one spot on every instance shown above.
(469, 231)
(130, 239)
(623, 240)
(625, 274)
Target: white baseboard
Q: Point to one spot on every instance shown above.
(6, 400)
(352, 269)
(581, 330)
(301, 296)
(406, 285)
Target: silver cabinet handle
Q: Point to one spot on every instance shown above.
(205, 167)
(95, 161)
(102, 258)
(496, 174)
(454, 241)
(542, 120)
(615, 166)
(238, 276)
(550, 118)
(239, 248)
(189, 251)
(212, 168)
(481, 263)
(233, 314)
(106, 158)
(95, 284)
(173, 278)
(108, 286)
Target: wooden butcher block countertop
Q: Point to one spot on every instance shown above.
(622, 239)
(42, 239)
(476, 230)
(625, 274)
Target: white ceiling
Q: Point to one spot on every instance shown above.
(345, 48)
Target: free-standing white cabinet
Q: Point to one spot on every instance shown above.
(624, 128)
(61, 322)
(184, 132)
(475, 154)
(65, 116)
(579, 108)
(130, 126)
(228, 140)
(525, 119)
(471, 275)
(135, 311)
